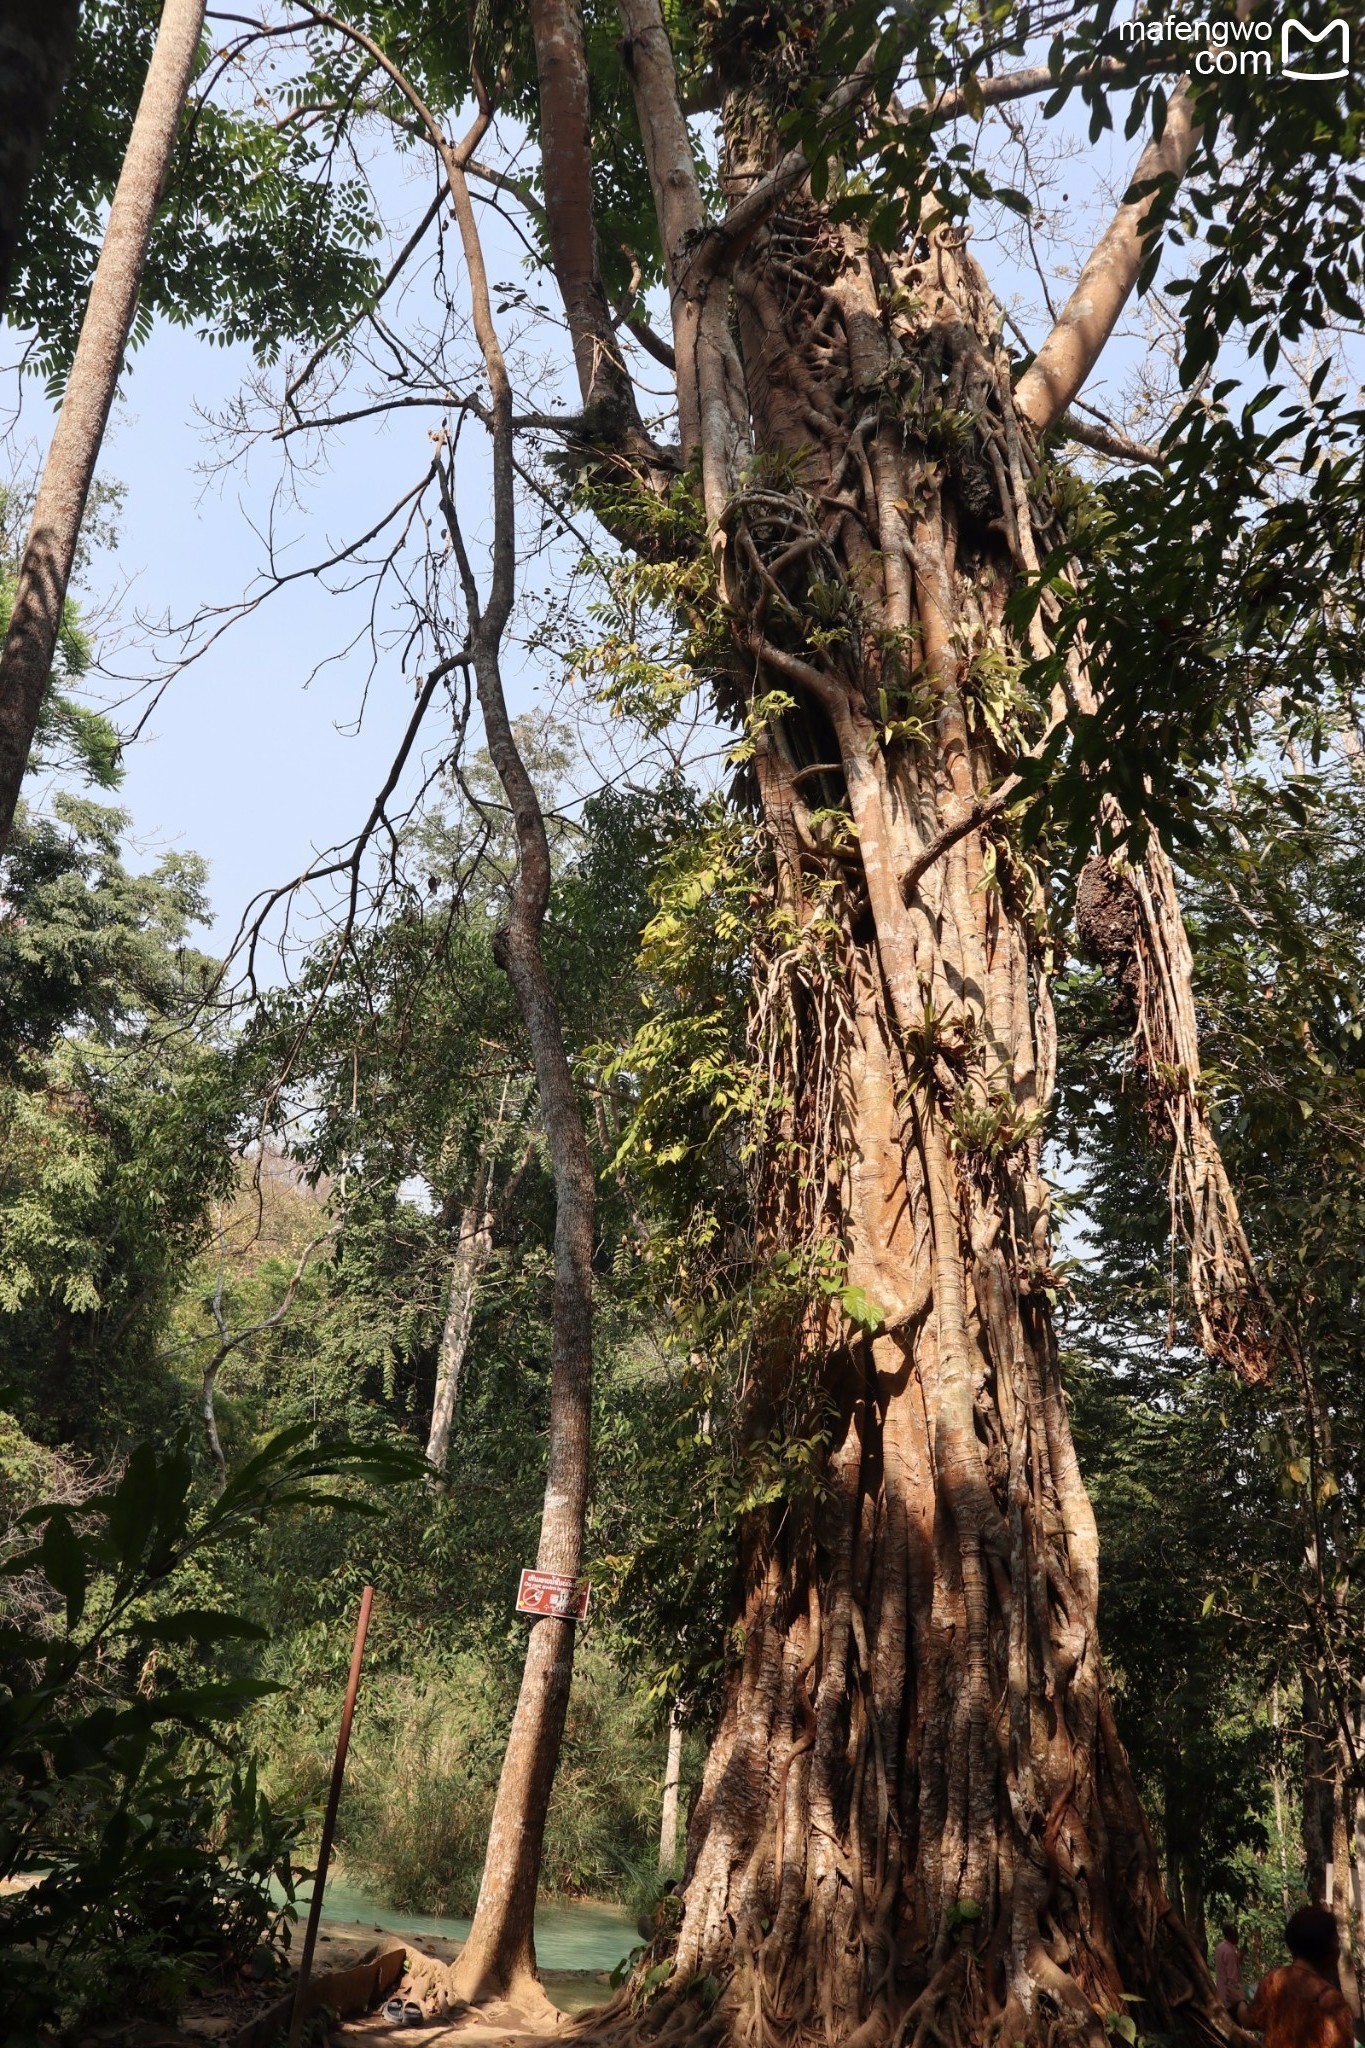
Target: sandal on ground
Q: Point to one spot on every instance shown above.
(403, 2012)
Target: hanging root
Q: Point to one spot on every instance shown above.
(1129, 920)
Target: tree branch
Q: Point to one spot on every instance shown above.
(713, 412)
(729, 235)
(566, 159)
(1109, 441)
(324, 348)
(1087, 320)
(653, 344)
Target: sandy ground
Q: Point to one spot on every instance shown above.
(498, 2025)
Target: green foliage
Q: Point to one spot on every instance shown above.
(85, 946)
(414, 1050)
(1206, 584)
(424, 1772)
(156, 1848)
(1183, 1521)
(258, 238)
(1217, 1502)
(114, 1118)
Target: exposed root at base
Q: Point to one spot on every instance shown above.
(950, 2011)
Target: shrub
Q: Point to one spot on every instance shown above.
(423, 1773)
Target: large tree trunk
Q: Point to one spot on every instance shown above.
(50, 551)
(37, 43)
(917, 1821)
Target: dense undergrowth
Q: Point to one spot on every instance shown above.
(107, 1348)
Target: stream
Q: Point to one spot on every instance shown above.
(571, 1934)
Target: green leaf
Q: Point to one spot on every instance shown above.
(210, 1702)
(200, 1625)
(62, 1557)
(133, 1508)
(859, 1307)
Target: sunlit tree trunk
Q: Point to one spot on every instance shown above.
(499, 1955)
(50, 551)
(668, 1821)
(1277, 1783)
(473, 1249)
(917, 1798)
(37, 43)
(917, 1821)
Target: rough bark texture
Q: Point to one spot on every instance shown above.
(37, 43)
(917, 1822)
(50, 551)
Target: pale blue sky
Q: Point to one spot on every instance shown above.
(250, 759)
(244, 759)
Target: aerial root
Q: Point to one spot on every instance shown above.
(921, 2014)
(661, 2024)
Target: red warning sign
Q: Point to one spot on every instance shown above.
(553, 1593)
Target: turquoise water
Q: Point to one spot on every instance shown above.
(573, 1935)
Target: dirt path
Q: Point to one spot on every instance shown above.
(218, 2017)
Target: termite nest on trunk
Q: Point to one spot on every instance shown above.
(1108, 929)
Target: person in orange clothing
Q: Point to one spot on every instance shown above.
(1300, 2005)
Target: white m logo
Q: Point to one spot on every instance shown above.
(1290, 48)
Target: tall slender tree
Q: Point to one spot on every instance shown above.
(499, 1954)
(50, 552)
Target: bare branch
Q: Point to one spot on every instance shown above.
(324, 348)
(1109, 441)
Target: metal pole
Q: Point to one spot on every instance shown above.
(329, 1820)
